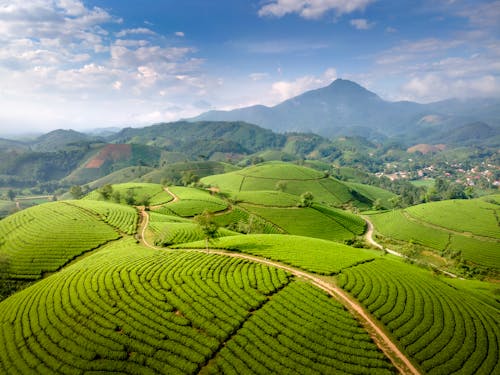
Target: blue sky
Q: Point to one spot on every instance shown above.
(87, 64)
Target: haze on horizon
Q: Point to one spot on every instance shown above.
(93, 63)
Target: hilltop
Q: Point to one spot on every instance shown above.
(346, 108)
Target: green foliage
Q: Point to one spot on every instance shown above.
(76, 191)
(306, 199)
(133, 310)
(106, 191)
(133, 193)
(266, 198)
(310, 254)
(317, 221)
(468, 226)
(441, 327)
(208, 226)
(45, 237)
(274, 339)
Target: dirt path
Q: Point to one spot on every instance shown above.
(371, 241)
(174, 196)
(381, 339)
(142, 228)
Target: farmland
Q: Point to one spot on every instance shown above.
(135, 310)
(438, 325)
(309, 254)
(43, 238)
(104, 296)
(468, 226)
(289, 178)
(319, 221)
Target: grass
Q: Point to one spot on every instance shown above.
(373, 193)
(294, 179)
(267, 198)
(468, 226)
(192, 202)
(310, 254)
(475, 216)
(325, 223)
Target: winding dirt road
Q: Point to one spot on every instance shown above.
(174, 196)
(371, 241)
(399, 360)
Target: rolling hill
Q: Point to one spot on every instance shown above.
(468, 228)
(289, 178)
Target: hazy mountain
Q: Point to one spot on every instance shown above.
(60, 139)
(346, 108)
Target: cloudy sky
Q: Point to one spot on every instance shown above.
(92, 63)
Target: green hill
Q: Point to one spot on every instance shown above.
(466, 226)
(45, 237)
(136, 192)
(134, 310)
(443, 328)
(289, 178)
(128, 174)
(175, 171)
(311, 254)
(316, 221)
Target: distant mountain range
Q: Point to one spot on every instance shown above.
(346, 108)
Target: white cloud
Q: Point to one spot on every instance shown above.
(283, 90)
(137, 31)
(390, 29)
(180, 34)
(432, 87)
(361, 24)
(258, 76)
(311, 9)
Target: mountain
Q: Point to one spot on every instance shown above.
(346, 108)
(202, 138)
(60, 139)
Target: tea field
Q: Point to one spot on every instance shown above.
(444, 329)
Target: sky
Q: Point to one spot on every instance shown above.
(93, 63)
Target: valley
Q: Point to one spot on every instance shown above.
(223, 247)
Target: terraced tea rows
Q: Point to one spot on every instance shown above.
(119, 216)
(481, 251)
(310, 254)
(175, 233)
(442, 328)
(300, 331)
(192, 202)
(475, 216)
(267, 198)
(293, 180)
(327, 224)
(45, 237)
(138, 190)
(135, 310)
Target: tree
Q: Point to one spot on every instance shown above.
(280, 185)
(208, 226)
(117, 197)
(106, 191)
(129, 197)
(76, 191)
(377, 204)
(145, 201)
(11, 194)
(188, 177)
(306, 199)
